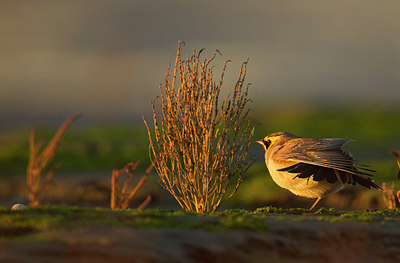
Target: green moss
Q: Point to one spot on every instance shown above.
(61, 217)
(231, 212)
(15, 224)
(325, 211)
(271, 209)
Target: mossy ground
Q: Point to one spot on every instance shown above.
(15, 224)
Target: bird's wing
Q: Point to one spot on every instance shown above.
(326, 153)
(319, 173)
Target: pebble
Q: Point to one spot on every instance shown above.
(18, 207)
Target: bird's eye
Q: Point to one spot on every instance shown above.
(267, 143)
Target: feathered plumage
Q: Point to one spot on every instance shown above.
(316, 167)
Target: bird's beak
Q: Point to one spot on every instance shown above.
(260, 142)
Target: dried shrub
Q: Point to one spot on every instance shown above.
(38, 163)
(122, 196)
(200, 145)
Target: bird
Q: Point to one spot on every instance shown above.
(313, 168)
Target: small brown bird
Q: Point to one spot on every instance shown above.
(312, 168)
(397, 154)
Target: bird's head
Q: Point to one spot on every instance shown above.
(275, 138)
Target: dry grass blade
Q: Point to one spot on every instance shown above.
(38, 163)
(121, 197)
(145, 203)
(198, 147)
(49, 152)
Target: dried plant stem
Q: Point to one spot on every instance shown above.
(145, 203)
(199, 145)
(121, 197)
(38, 163)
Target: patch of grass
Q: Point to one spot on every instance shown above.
(15, 224)
(230, 212)
(331, 215)
(375, 132)
(94, 148)
(103, 147)
(273, 210)
(325, 211)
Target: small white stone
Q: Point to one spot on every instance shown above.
(18, 207)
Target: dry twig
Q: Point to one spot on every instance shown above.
(121, 197)
(39, 162)
(199, 144)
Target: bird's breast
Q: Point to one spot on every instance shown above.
(305, 187)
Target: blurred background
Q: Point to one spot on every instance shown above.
(317, 69)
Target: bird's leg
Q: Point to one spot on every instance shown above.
(316, 202)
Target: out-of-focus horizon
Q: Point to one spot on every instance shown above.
(107, 58)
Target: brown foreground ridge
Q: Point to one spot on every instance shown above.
(289, 238)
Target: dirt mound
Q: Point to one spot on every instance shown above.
(286, 241)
